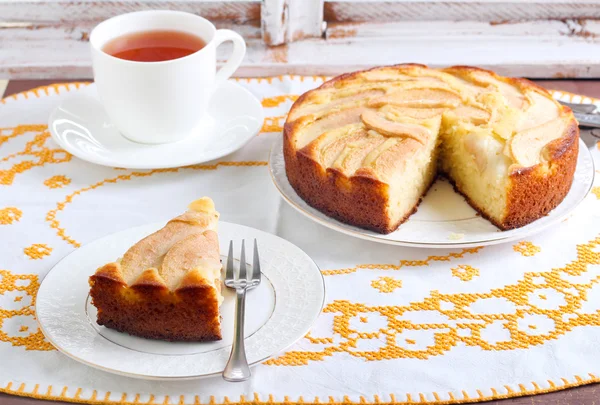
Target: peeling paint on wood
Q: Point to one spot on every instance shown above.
(286, 21)
(306, 19)
(579, 28)
(48, 38)
(537, 49)
(413, 10)
(274, 21)
(277, 54)
(55, 11)
(477, 31)
(341, 32)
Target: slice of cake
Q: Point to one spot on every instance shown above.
(168, 285)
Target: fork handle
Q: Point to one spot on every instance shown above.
(237, 368)
(588, 120)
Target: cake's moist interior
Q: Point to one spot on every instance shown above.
(404, 125)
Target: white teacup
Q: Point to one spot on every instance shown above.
(160, 102)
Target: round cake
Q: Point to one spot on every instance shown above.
(365, 147)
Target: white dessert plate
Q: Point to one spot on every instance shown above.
(81, 127)
(278, 313)
(444, 219)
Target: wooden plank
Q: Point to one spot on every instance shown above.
(306, 19)
(94, 11)
(459, 10)
(274, 21)
(3, 84)
(291, 20)
(475, 31)
(533, 49)
(56, 50)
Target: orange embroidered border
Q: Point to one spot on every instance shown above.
(404, 263)
(61, 232)
(44, 90)
(454, 399)
(57, 87)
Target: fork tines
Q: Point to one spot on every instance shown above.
(242, 279)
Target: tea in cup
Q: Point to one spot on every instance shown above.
(156, 71)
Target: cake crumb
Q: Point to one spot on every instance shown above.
(456, 236)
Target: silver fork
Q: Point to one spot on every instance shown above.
(237, 368)
(588, 115)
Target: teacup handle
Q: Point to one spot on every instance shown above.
(236, 58)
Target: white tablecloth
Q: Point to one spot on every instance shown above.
(399, 324)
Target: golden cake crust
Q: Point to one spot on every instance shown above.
(167, 286)
(537, 190)
(149, 309)
(361, 199)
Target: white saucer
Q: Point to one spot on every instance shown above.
(81, 127)
(443, 219)
(278, 313)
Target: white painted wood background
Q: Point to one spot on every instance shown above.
(533, 38)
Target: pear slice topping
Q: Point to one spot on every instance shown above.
(420, 98)
(377, 122)
(526, 147)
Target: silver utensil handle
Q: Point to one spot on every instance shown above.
(588, 120)
(581, 108)
(237, 368)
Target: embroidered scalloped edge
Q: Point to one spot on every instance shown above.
(439, 399)
(59, 87)
(50, 89)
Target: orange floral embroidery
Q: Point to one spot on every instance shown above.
(386, 284)
(273, 124)
(37, 251)
(404, 263)
(23, 316)
(315, 340)
(9, 215)
(275, 101)
(55, 223)
(57, 181)
(441, 321)
(527, 248)
(9, 133)
(36, 150)
(465, 272)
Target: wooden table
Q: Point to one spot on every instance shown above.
(585, 395)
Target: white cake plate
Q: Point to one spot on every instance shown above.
(444, 219)
(278, 313)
